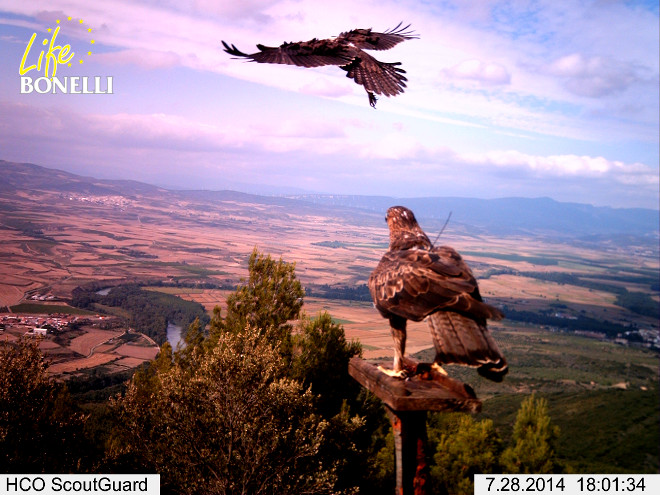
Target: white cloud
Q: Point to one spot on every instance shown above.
(147, 59)
(161, 131)
(390, 146)
(326, 87)
(566, 165)
(487, 73)
(286, 135)
(594, 76)
(156, 131)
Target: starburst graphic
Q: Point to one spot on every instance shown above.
(89, 30)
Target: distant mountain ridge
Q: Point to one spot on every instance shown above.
(503, 216)
(506, 215)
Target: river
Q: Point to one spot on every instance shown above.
(174, 334)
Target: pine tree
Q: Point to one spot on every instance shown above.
(231, 424)
(320, 361)
(464, 448)
(268, 300)
(534, 439)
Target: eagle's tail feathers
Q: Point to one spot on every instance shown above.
(463, 340)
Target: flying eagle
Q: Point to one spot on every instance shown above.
(346, 51)
(415, 280)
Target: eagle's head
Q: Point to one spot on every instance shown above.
(405, 232)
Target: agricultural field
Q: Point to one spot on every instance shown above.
(97, 233)
(72, 351)
(195, 245)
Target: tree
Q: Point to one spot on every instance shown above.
(534, 439)
(39, 429)
(233, 423)
(267, 300)
(320, 361)
(464, 448)
(250, 408)
(382, 474)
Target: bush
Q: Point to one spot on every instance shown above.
(39, 429)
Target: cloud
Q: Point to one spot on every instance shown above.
(566, 166)
(145, 131)
(567, 93)
(11, 39)
(146, 59)
(245, 9)
(594, 76)
(160, 131)
(487, 73)
(326, 87)
(155, 131)
(285, 135)
(392, 146)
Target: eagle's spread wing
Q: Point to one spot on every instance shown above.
(415, 280)
(346, 51)
(377, 77)
(366, 39)
(313, 53)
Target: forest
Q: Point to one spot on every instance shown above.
(149, 311)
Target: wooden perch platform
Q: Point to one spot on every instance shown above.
(424, 390)
(407, 400)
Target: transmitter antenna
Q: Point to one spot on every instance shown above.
(443, 228)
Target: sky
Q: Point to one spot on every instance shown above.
(518, 98)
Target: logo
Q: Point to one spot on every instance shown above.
(51, 58)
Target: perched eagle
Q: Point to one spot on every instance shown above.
(346, 51)
(415, 280)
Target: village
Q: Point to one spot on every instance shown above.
(52, 323)
(75, 344)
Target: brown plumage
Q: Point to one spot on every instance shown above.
(346, 51)
(415, 280)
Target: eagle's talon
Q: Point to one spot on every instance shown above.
(401, 374)
(436, 367)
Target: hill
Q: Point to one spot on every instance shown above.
(510, 216)
(566, 262)
(504, 216)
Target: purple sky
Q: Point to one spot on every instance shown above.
(504, 98)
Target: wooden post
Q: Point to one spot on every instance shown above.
(407, 402)
(410, 451)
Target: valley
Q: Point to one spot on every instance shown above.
(62, 231)
(582, 324)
